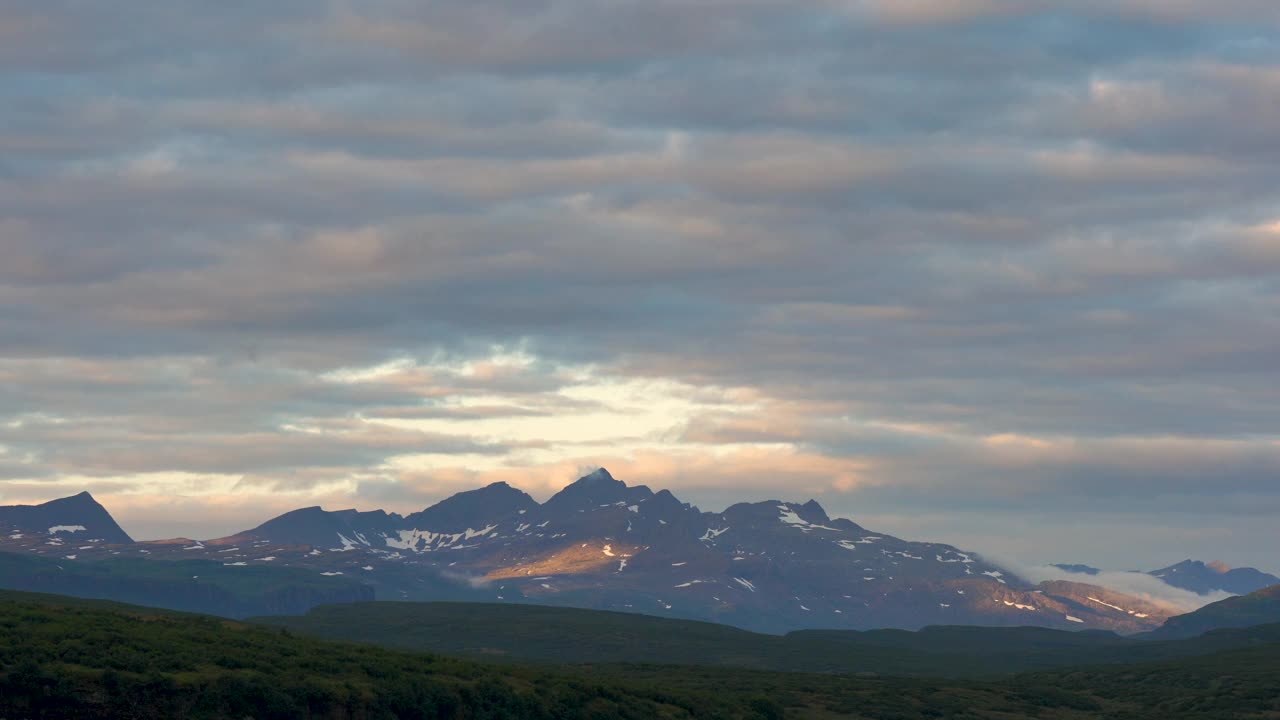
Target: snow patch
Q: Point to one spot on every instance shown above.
(789, 516)
(690, 583)
(712, 534)
(426, 541)
(1113, 607)
(66, 528)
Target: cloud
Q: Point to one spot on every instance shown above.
(1138, 584)
(905, 256)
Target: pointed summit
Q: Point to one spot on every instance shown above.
(813, 512)
(80, 515)
(597, 489)
(82, 500)
(599, 476)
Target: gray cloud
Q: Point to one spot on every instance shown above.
(977, 219)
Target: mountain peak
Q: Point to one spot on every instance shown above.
(472, 509)
(813, 510)
(599, 476)
(80, 499)
(1219, 567)
(595, 487)
(75, 513)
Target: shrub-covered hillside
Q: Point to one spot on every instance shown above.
(66, 658)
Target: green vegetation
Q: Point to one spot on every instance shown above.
(567, 635)
(67, 658)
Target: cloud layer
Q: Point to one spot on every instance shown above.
(948, 265)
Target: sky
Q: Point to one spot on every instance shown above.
(999, 273)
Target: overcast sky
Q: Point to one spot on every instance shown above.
(1001, 273)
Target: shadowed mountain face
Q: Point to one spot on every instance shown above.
(474, 508)
(1205, 578)
(71, 521)
(771, 566)
(1257, 608)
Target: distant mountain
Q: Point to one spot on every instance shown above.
(1260, 607)
(1204, 578)
(1077, 569)
(69, 521)
(770, 566)
(313, 526)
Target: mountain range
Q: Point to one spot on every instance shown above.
(1199, 577)
(769, 566)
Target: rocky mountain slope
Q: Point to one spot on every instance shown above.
(770, 566)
